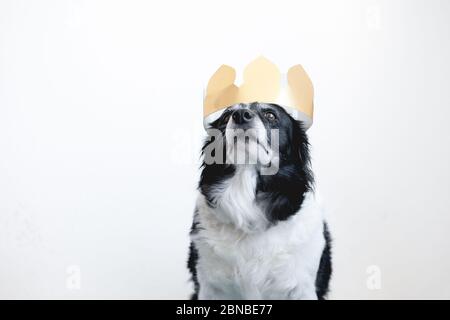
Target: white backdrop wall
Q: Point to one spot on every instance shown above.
(101, 122)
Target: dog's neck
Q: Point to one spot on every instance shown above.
(241, 196)
(283, 193)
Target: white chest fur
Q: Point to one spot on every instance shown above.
(280, 262)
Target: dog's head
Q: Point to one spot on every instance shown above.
(266, 141)
(258, 134)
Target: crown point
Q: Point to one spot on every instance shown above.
(222, 78)
(261, 69)
(301, 88)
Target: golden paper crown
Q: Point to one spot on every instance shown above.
(262, 82)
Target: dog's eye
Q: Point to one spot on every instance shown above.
(270, 116)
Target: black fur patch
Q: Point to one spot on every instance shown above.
(325, 267)
(192, 261)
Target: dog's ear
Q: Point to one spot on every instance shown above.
(300, 142)
(301, 145)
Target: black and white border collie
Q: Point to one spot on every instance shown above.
(258, 235)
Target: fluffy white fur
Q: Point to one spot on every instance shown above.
(240, 258)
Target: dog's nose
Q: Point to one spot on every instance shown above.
(242, 116)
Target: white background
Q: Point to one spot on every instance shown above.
(101, 121)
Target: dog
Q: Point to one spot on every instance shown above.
(256, 234)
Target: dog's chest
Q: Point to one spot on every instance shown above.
(280, 263)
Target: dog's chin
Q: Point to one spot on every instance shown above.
(248, 145)
(250, 152)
